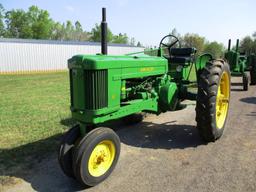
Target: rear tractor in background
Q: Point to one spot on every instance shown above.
(240, 64)
(104, 88)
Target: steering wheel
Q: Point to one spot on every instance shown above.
(171, 44)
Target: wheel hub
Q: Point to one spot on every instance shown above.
(222, 100)
(101, 158)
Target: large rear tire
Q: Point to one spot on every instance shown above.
(213, 100)
(96, 156)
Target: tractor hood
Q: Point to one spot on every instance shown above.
(97, 62)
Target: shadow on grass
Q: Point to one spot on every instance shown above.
(68, 122)
(35, 151)
(38, 164)
(35, 163)
(19, 160)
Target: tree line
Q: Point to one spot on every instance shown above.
(202, 45)
(36, 23)
(247, 44)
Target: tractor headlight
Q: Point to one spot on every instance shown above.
(179, 68)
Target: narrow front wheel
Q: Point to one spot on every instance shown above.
(96, 156)
(66, 150)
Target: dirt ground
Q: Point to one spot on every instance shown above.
(165, 153)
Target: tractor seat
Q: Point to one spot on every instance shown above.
(180, 59)
(182, 55)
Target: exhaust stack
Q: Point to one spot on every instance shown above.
(237, 45)
(104, 26)
(229, 44)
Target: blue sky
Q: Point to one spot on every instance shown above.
(149, 20)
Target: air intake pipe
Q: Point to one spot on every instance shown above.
(104, 33)
(229, 44)
(237, 45)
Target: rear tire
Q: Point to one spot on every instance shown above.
(96, 156)
(245, 82)
(212, 100)
(253, 73)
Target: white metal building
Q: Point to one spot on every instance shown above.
(20, 55)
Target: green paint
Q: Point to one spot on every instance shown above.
(105, 87)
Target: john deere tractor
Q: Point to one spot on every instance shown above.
(105, 88)
(240, 63)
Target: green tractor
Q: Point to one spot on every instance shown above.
(105, 88)
(240, 63)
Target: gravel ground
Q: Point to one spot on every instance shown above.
(165, 153)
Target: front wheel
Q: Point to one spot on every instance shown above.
(66, 150)
(213, 100)
(96, 156)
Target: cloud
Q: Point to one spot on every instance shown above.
(70, 8)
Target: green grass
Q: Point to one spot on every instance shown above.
(34, 112)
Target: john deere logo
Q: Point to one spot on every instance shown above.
(146, 69)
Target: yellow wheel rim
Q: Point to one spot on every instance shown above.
(222, 100)
(101, 158)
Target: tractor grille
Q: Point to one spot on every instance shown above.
(96, 89)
